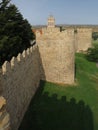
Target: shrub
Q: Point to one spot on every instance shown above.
(92, 53)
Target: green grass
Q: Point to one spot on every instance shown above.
(56, 107)
(95, 41)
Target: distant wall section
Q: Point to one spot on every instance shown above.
(83, 39)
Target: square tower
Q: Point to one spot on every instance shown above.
(51, 22)
(56, 50)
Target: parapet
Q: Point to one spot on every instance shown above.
(54, 34)
(9, 66)
(84, 30)
(47, 30)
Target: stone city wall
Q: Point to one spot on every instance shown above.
(19, 81)
(52, 59)
(57, 54)
(83, 39)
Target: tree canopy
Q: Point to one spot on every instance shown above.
(95, 35)
(92, 53)
(15, 31)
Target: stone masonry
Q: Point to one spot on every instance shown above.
(83, 39)
(4, 116)
(57, 53)
(51, 59)
(20, 80)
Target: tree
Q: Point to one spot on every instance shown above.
(95, 35)
(15, 31)
(92, 53)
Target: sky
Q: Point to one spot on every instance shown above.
(64, 11)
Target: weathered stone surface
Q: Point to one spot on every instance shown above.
(57, 55)
(2, 102)
(4, 116)
(83, 39)
(20, 81)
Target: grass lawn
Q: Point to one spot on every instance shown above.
(95, 41)
(56, 107)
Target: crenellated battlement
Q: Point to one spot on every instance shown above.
(19, 81)
(54, 34)
(16, 61)
(84, 30)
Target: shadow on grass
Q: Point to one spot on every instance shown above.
(51, 113)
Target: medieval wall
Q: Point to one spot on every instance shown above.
(57, 53)
(52, 60)
(83, 39)
(20, 80)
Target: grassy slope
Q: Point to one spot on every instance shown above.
(66, 108)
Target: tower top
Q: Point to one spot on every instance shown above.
(51, 22)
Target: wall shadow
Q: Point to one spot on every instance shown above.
(51, 113)
(42, 71)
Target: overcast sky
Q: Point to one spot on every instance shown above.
(64, 11)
